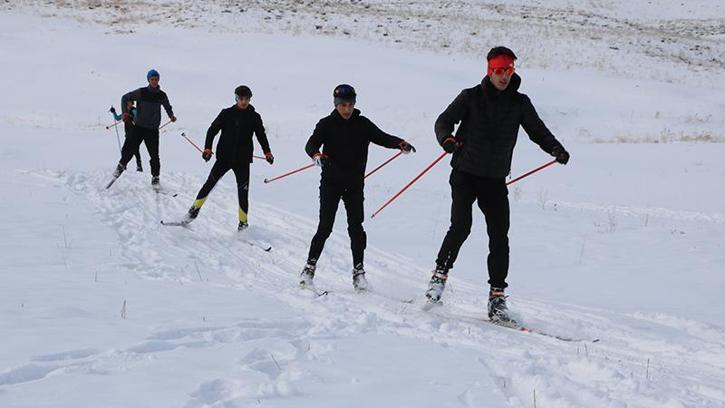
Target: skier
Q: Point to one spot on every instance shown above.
(128, 130)
(490, 114)
(233, 151)
(345, 135)
(146, 124)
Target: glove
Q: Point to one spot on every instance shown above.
(406, 147)
(319, 159)
(173, 118)
(206, 155)
(268, 156)
(112, 110)
(126, 117)
(450, 145)
(562, 156)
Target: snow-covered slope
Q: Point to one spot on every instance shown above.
(100, 305)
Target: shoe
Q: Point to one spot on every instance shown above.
(118, 171)
(436, 285)
(155, 183)
(191, 215)
(139, 168)
(242, 226)
(358, 277)
(497, 310)
(308, 273)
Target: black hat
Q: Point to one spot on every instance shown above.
(344, 93)
(243, 91)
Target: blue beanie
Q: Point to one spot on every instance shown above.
(152, 73)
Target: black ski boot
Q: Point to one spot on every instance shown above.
(155, 183)
(308, 273)
(497, 310)
(358, 278)
(191, 215)
(242, 226)
(116, 174)
(437, 284)
(139, 168)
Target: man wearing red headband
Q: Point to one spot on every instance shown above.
(490, 115)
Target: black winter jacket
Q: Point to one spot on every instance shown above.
(346, 145)
(489, 127)
(237, 126)
(148, 106)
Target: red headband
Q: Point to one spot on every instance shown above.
(499, 61)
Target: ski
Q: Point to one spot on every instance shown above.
(166, 193)
(174, 223)
(518, 327)
(263, 246)
(113, 180)
(313, 290)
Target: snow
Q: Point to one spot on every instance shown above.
(100, 305)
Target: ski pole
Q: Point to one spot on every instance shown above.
(167, 122)
(183, 134)
(114, 124)
(542, 167)
(384, 163)
(290, 173)
(118, 138)
(410, 183)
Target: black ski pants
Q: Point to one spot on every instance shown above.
(492, 197)
(150, 137)
(128, 130)
(352, 196)
(241, 172)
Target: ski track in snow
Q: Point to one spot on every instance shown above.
(635, 363)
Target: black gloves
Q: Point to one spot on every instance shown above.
(268, 156)
(206, 155)
(406, 147)
(450, 145)
(561, 155)
(319, 159)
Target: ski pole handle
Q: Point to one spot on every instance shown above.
(410, 183)
(542, 167)
(384, 163)
(289, 174)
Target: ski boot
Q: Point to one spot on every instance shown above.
(139, 168)
(498, 313)
(116, 174)
(358, 278)
(190, 215)
(155, 183)
(242, 226)
(308, 273)
(436, 285)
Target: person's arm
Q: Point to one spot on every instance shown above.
(261, 135)
(214, 128)
(315, 141)
(167, 107)
(535, 127)
(381, 138)
(129, 97)
(453, 114)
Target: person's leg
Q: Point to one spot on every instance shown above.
(130, 145)
(353, 199)
(217, 172)
(329, 201)
(463, 195)
(128, 130)
(493, 201)
(241, 172)
(151, 139)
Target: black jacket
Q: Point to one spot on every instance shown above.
(237, 127)
(346, 145)
(148, 106)
(489, 127)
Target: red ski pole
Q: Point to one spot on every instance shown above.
(410, 183)
(384, 163)
(114, 125)
(183, 134)
(259, 157)
(162, 126)
(542, 167)
(290, 173)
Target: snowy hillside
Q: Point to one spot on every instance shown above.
(618, 254)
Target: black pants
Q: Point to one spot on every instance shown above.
(241, 172)
(128, 130)
(150, 137)
(492, 196)
(353, 197)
